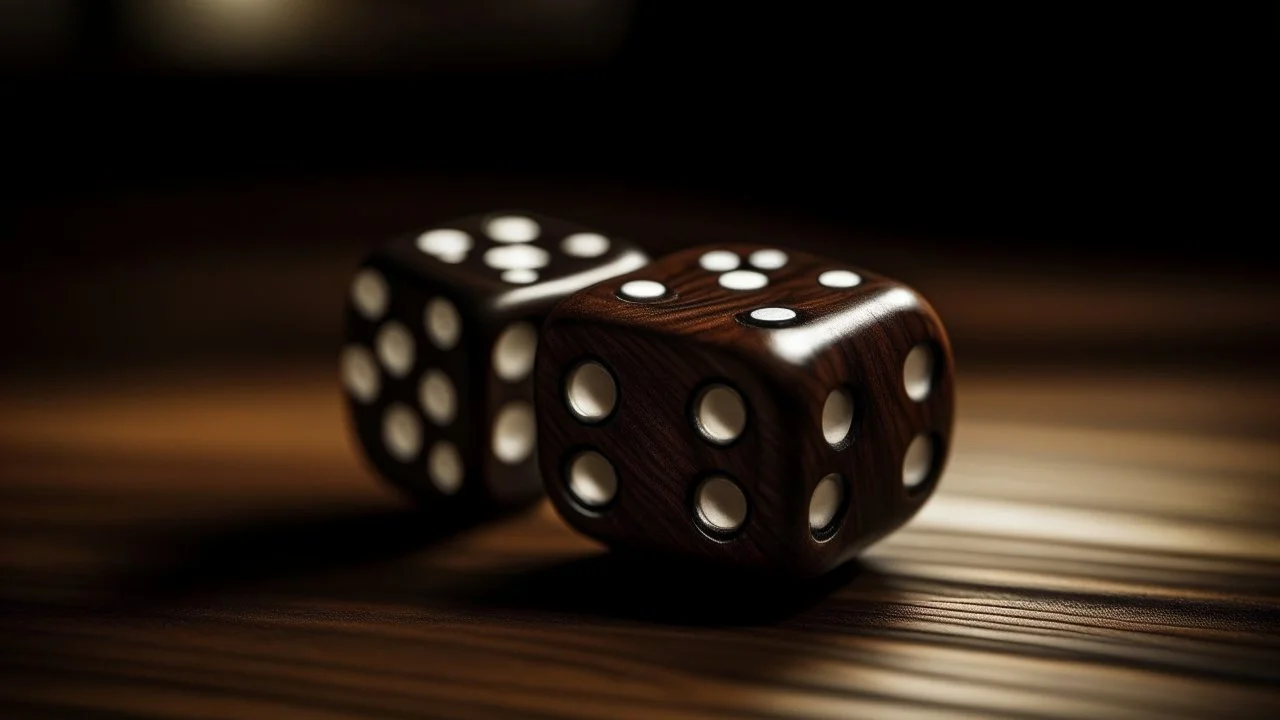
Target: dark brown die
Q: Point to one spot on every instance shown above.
(746, 405)
(441, 330)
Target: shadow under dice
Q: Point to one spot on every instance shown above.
(441, 333)
(746, 405)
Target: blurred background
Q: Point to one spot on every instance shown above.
(191, 181)
(1084, 191)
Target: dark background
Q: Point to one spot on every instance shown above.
(1087, 140)
(1084, 191)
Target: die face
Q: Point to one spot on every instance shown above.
(815, 348)
(507, 264)
(778, 315)
(418, 429)
(448, 345)
(661, 446)
(894, 372)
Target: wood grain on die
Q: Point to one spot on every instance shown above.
(663, 350)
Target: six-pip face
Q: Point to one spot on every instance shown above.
(441, 331)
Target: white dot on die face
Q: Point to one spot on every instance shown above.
(451, 258)
(592, 479)
(743, 280)
(512, 229)
(721, 504)
(402, 433)
(721, 414)
(837, 416)
(770, 259)
(369, 294)
(514, 352)
(825, 502)
(444, 326)
(642, 290)
(513, 432)
(773, 314)
(839, 279)
(719, 261)
(591, 392)
(438, 397)
(445, 242)
(360, 373)
(917, 372)
(395, 348)
(918, 461)
(520, 276)
(516, 257)
(585, 245)
(444, 467)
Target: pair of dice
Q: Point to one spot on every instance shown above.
(746, 405)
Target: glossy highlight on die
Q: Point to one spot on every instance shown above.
(769, 409)
(441, 331)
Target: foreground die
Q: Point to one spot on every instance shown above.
(441, 331)
(751, 406)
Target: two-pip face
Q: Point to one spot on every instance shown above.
(750, 405)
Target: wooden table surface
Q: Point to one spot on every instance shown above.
(210, 546)
(186, 530)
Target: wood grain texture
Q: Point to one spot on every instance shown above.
(197, 538)
(210, 547)
(486, 306)
(661, 353)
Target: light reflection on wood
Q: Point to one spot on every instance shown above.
(209, 546)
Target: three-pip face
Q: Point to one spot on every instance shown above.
(441, 330)
(749, 405)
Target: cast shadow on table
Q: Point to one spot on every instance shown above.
(376, 555)
(314, 552)
(648, 588)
